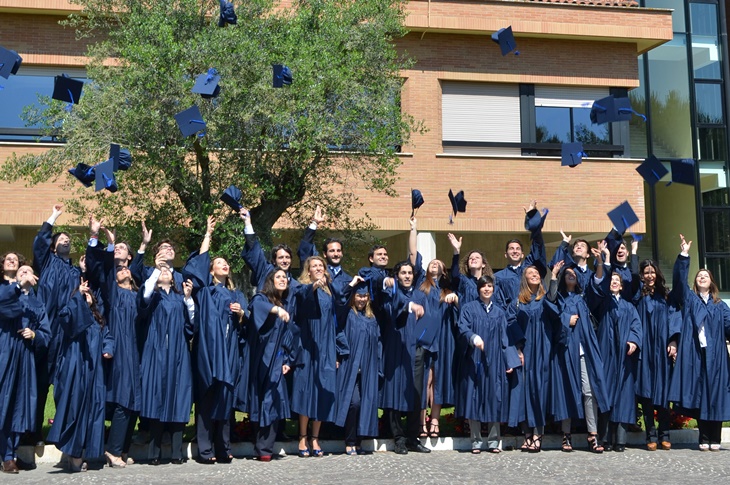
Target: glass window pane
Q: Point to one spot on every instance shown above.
(637, 126)
(586, 132)
(678, 24)
(712, 143)
(709, 103)
(713, 184)
(717, 231)
(552, 125)
(670, 114)
(720, 268)
(19, 92)
(705, 42)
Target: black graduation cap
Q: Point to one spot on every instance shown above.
(362, 288)
(416, 201)
(9, 62)
(84, 173)
(190, 121)
(105, 176)
(228, 15)
(624, 111)
(282, 75)
(207, 84)
(652, 170)
(683, 171)
(232, 197)
(603, 110)
(571, 154)
(623, 217)
(125, 159)
(506, 40)
(67, 89)
(458, 203)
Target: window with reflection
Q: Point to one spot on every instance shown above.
(678, 22)
(705, 41)
(720, 268)
(566, 125)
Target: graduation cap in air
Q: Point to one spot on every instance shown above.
(506, 40)
(67, 89)
(652, 170)
(571, 154)
(207, 84)
(416, 201)
(610, 109)
(228, 14)
(282, 75)
(9, 62)
(458, 203)
(84, 173)
(190, 121)
(121, 156)
(232, 197)
(623, 217)
(105, 178)
(683, 171)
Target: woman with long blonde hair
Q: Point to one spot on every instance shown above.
(323, 345)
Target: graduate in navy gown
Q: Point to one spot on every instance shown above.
(274, 344)
(661, 325)
(359, 372)
(164, 253)
(578, 384)
(575, 255)
(466, 273)
(620, 261)
(255, 258)
(438, 336)
(219, 326)
(57, 279)
(483, 388)
(403, 358)
(167, 381)
(332, 251)
(10, 262)
(109, 273)
(619, 337)
(79, 391)
(702, 370)
(323, 345)
(530, 331)
(508, 279)
(24, 329)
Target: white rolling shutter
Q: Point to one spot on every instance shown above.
(568, 96)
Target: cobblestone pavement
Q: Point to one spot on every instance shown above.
(684, 465)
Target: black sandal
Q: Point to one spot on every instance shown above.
(567, 443)
(529, 443)
(593, 444)
(435, 430)
(536, 445)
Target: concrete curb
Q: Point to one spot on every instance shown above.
(685, 437)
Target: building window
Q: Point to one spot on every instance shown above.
(480, 118)
(22, 90)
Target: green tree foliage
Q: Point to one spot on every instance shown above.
(339, 124)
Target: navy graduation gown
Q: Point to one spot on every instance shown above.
(507, 280)
(18, 389)
(584, 275)
(363, 338)
(399, 348)
(566, 392)
(123, 377)
(618, 323)
(323, 343)
(340, 279)
(167, 381)
(531, 330)
(217, 340)
(273, 343)
(700, 383)
(79, 390)
(57, 279)
(483, 384)
(661, 323)
(465, 285)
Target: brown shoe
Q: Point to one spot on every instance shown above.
(666, 445)
(9, 466)
(651, 446)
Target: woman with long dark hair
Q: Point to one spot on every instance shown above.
(274, 343)
(79, 391)
(661, 325)
(700, 381)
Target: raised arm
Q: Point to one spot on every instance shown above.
(533, 223)
(455, 271)
(42, 242)
(413, 241)
(210, 227)
(307, 247)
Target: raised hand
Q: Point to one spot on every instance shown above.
(455, 243)
(210, 225)
(684, 245)
(531, 207)
(94, 225)
(245, 215)
(556, 269)
(566, 239)
(111, 236)
(318, 217)
(161, 260)
(187, 288)
(412, 221)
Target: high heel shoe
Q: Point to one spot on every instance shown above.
(77, 465)
(303, 453)
(316, 452)
(114, 461)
